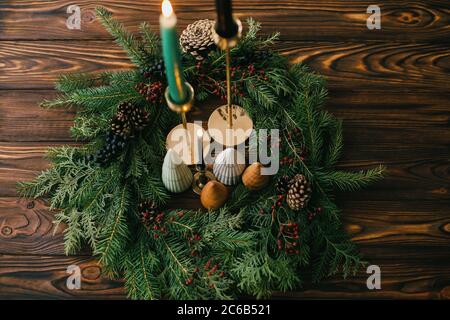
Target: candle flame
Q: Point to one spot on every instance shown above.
(167, 9)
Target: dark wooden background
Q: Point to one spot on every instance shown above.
(391, 87)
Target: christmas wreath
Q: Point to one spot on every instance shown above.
(108, 192)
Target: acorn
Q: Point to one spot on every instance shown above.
(214, 195)
(253, 179)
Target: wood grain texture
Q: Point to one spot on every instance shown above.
(36, 64)
(412, 172)
(45, 277)
(26, 227)
(302, 19)
(374, 116)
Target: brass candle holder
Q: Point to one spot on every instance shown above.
(229, 125)
(181, 138)
(201, 178)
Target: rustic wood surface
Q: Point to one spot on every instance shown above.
(390, 87)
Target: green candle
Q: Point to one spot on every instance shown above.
(172, 54)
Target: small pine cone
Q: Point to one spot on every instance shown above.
(129, 119)
(197, 39)
(282, 185)
(299, 192)
(120, 126)
(148, 210)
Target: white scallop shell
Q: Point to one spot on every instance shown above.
(228, 166)
(176, 175)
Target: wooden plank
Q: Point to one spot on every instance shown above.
(297, 19)
(399, 280)
(36, 64)
(45, 277)
(26, 227)
(413, 172)
(382, 228)
(371, 116)
(22, 119)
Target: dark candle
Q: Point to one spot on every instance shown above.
(226, 27)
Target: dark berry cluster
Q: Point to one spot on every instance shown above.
(113, 147)
(313, 214)
(210, 269)
(239, 73)
(287, 239)
(158, 228)
(148, 211)
(155, 70)
(287, 161)
(279, 202)
(152, 92)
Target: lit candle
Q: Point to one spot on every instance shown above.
(172, 54)
(226, 27)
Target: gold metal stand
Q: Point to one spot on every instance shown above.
(201, 178)
(181, 139)
(229, 126)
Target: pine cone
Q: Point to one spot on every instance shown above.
(299, 192)
(282, 185)
(197, 39)
(129, 119)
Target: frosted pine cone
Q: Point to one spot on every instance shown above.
(197, 39)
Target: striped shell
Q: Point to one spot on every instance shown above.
(176, 175)
(252, 178)
(229, 166)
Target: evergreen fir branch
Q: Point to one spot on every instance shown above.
(141, 268)
(351, 181)
(76, 81)
(150, 40)
(73, 236)
(113, 238)
(87, 126)
(336, 145)
(253, 29)
(336, 254)
(99, 204)
(122, 37)
(152, 188)
(262, 94)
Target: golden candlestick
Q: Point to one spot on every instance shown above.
(234, 126)
(181, 139)
(228, 71)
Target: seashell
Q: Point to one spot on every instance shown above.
(176, 176)
(214, 195)
(253, 179)
(228, 166)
